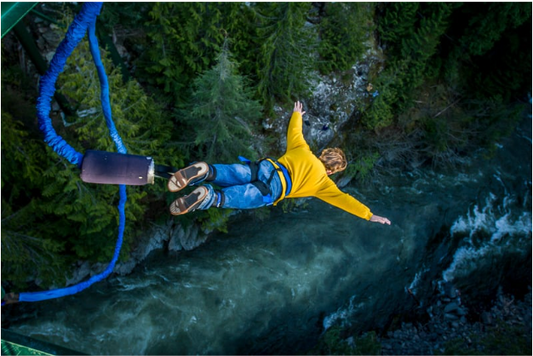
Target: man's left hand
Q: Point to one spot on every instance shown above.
(298, 107)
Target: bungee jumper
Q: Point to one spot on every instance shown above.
(297, 174)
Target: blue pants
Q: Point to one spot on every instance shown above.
(239, 193)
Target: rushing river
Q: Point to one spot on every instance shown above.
(274, 286)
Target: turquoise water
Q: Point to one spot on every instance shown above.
(274, 286)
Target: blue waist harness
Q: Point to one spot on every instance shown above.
(263, 187)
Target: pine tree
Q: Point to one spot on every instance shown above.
(486, 28)
(411, 62)
(286, 53)
(239, 24)
(421, 46)
(398, 22)
(474, 52)
(343, 31)
(493, 49)
(186, 38)
(222, 112)
(26, 249)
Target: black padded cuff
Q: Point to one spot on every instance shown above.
(212, 175)
(221, 199)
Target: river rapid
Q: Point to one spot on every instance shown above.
(274, 286)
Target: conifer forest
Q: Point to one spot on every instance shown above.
(196, 81)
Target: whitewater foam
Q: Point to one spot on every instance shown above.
(343, 314)
(495, 227)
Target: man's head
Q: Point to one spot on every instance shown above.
(333, 159)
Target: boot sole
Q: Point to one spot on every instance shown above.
(189, 202)
(183, 177)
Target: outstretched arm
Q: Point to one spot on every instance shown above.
(380, 219)
(295, 137)
(331, 194)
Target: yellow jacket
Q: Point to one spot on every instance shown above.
(308, 174)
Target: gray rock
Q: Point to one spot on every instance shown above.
(174, 243)
(52, 37)
(187, 238)
(451, 307)
(49, 56)
(330, 106)
(450, 291)
(98, 268)
(126, 267)
(450, 316)
(461, 311)
(82, 271)
(351, 342)
(153, 240)
(433, 336)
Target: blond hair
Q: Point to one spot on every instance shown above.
(333, 159)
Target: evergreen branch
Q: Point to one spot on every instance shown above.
(446, 108)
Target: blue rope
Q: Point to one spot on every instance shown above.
(84, 22)
(104, 90)
(75, 33)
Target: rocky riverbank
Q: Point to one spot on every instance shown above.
(505, 328)
(171, 237)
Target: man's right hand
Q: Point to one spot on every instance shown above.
(380, 219)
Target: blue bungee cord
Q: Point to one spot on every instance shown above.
(84, 22)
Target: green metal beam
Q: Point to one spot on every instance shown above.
(12, 15)
(17, 344)
(13, 12)
(12, 348)
(27, 42)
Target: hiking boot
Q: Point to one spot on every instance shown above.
(189, 202)
(187, 175)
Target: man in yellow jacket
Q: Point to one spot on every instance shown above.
(297, 174)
